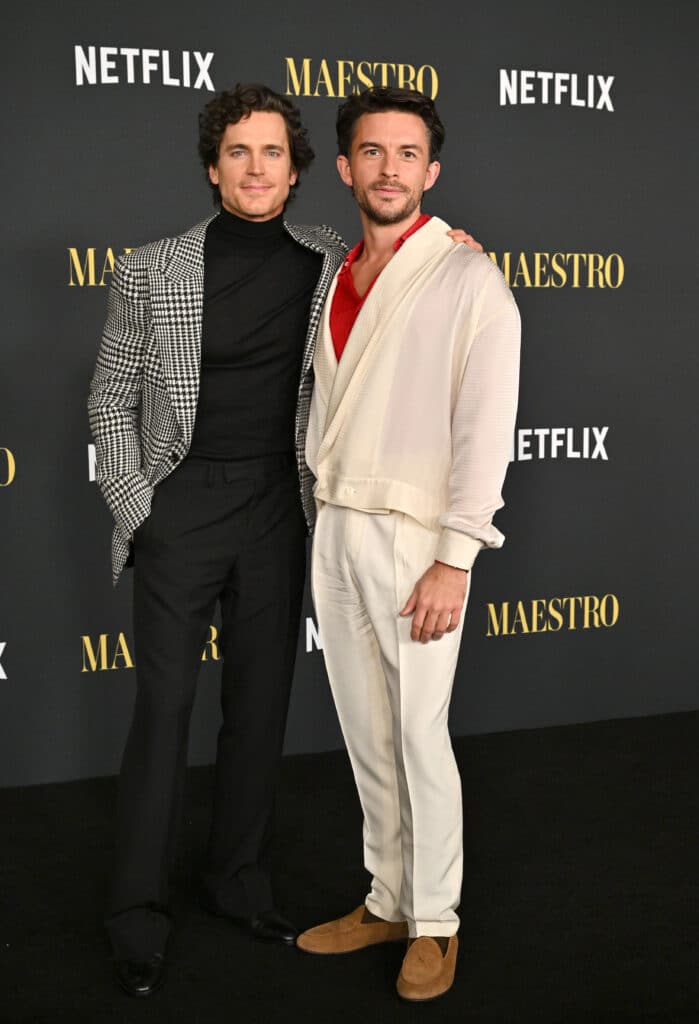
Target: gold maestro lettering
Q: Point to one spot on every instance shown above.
(340, 78)
(210, 652)
(551, 615)
(88, 269)
(8, 470)
(560, 269)
(107, 653)
(103, 655)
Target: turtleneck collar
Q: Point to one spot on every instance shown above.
(250, 230)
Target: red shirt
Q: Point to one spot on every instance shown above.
(346, 302)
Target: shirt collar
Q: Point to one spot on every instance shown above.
(359, 247)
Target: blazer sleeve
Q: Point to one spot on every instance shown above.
(483, 423)
(115, 398)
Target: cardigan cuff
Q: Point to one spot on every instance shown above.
(457, 549)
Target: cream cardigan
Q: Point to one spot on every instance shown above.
(418, 415)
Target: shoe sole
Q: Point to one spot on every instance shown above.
(141, 995)
(346, 952)
(424, 999)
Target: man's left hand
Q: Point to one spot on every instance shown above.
(459, 235)
(436, 602)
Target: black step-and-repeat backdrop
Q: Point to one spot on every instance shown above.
(568, 154)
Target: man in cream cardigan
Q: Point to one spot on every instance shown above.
(409, 438)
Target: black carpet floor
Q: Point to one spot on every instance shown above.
(580, 900)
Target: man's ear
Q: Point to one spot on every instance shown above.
(213, 174)
(343, 169)
(433, 170)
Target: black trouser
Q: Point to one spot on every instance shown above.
(232, 532)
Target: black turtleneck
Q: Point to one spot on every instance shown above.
(258, 284)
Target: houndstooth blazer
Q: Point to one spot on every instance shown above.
(143, 395)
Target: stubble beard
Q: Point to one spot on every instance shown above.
(380, 216)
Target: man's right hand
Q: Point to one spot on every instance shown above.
(436, 602)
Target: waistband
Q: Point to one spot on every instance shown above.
(212, 471)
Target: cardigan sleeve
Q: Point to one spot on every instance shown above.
(483, 422)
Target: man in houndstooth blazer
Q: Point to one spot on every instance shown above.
(143, 396)
(202, 530)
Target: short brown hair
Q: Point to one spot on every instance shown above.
(378, 100)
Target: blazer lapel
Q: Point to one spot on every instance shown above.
(333, 255)
(177, 292)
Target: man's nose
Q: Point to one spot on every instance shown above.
(389, 165)
(255, 164)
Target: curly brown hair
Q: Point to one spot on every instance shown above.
(233, 105)
(378, 100)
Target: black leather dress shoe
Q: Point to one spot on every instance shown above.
(267, 925)
(140, 978)
(270, 926)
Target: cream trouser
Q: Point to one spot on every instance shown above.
(392, 697)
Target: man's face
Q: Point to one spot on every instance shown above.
(389, 165)
(253, 171)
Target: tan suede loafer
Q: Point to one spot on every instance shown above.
(425, 973)
(348, 933)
